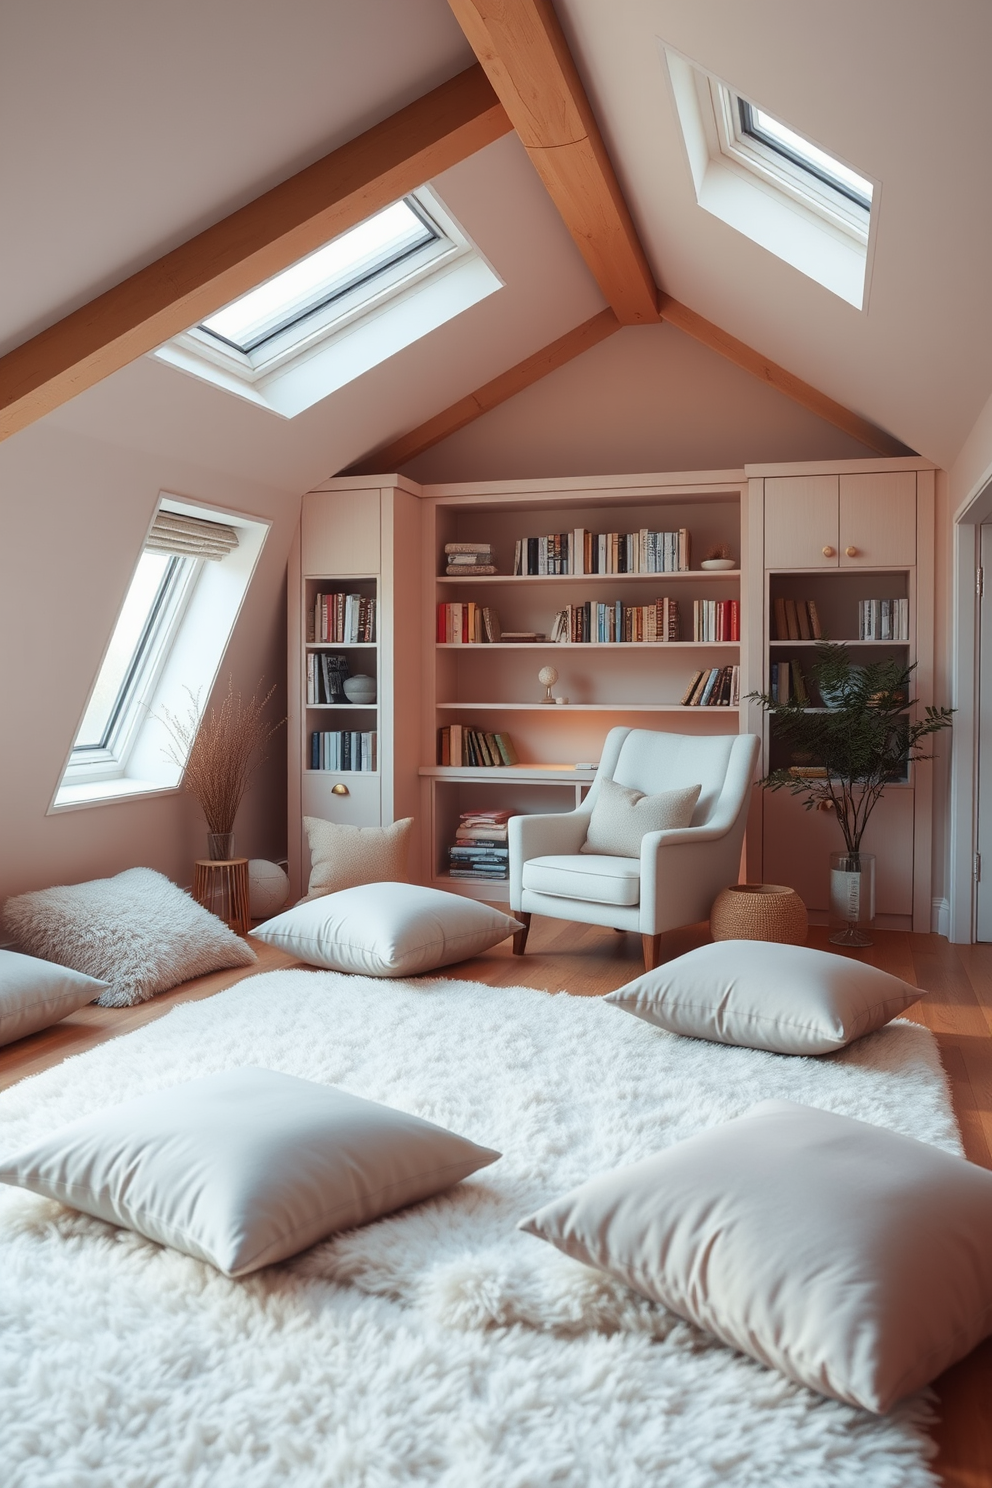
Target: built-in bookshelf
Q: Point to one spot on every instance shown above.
(624, 633)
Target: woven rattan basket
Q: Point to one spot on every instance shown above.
(759, 912)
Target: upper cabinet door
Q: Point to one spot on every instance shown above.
(801, 528)
(878, 520)
(340, 533)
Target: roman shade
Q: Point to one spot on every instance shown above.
(190, 537)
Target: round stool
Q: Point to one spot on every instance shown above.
(222, 887)
(759, 912)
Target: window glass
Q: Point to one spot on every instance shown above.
(761, 126)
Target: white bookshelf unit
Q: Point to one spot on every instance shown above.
(494, 687)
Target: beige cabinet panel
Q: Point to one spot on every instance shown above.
(340, 533)
(801, 528)
(798, 844)
(359, 808)
(878, 520)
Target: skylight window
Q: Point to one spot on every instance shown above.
(343, 309)
(768, 181)
(354, 259)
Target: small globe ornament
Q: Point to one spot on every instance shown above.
(548, 676)
(268, 888)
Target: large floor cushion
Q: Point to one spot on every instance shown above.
(34, 994)
(599, 879)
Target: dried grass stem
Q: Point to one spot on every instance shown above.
(222, 748)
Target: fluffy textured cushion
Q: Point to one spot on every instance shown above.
(603, 880)
(244, 1167)
(136, 932)
(853, 1259)
(621, 816)
(342, 857)
(387, 929)
(789, 999)
(34, 994)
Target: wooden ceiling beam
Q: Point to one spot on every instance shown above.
(260, 239)
(521, 45)
(393, 456)
(777, 377)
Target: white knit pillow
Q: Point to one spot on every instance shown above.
(622, 816)
(341, 857)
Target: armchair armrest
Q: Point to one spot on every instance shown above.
(540, 836)
(683, 870)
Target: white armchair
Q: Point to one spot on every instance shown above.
(678, 874)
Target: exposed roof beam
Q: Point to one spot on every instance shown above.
(777, 377)
(514, 380)
(526, 57)
(261, 238)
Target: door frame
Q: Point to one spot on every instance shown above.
(968, 520)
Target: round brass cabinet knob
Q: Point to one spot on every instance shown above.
(851, 552)
(828, 552)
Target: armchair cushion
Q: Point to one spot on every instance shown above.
(602, 880)
(621, 816)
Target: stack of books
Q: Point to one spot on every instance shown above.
(787, 684)
(883, 619)
(467, 624)
(344, 750)
(797, 620)
(342, 619)
(326, 672)
(480, 849)
(459, 745)
(595, 623)
(582, 552)
(465, 560)
(717, 687)
(716, 620)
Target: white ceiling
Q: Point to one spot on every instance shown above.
(125, 128)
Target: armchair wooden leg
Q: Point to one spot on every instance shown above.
(520, 936)
(651, 945)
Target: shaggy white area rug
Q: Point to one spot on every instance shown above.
(439, 1346)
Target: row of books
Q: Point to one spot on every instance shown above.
(716, 687)
(480, 847)
(468, 624)
(466, 559)
(796, 620)
(595, 623)
(326, 671)
(457, 744)
(342, 619)
(716, 620)
(582, 552)
(883, 619)
(787, 683)
(342, 750)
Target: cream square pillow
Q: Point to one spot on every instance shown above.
(621, 816)
(35, 994)
(853, 1259)
(342, 856)
(387, 929)
(245, 1167)
(761, 995)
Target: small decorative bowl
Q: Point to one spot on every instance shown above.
(713, 564)
(359, 689)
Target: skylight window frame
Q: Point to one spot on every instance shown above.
(783, 171)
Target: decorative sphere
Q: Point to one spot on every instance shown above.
(268, 888)
(359, 688)
(548, 676)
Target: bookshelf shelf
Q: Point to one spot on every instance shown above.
(588, 645)
(342, 645)
(678, 576)
(586, 708)
(840, 641)
(341, 707)
(550, 774)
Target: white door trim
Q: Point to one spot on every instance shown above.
(964, 693)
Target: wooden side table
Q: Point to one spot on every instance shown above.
(222, 887)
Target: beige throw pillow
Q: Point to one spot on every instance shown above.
(622, 816)
(342, 857)
(244, 1167)
(760, 995)
(852, 1259)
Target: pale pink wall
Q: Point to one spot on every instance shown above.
(649, 398)
(73, 515)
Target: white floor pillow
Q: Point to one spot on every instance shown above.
(35, 994)
(853, 1259)
(245, 1167)
(387, 929)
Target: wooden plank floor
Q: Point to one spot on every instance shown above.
(956, 1005)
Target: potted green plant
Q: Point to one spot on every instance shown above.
(844, 755)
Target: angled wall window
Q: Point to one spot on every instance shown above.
(781, 190)
(170, 637)
(343, 309)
